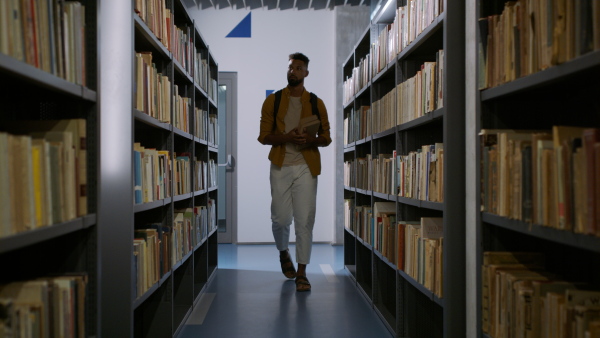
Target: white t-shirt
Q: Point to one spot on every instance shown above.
(292, 155)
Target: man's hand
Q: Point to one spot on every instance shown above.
(296, 137)
(310, 139)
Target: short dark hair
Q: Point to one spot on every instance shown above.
(301, 57)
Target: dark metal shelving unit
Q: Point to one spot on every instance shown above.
(573, 83)
(374, 275)
(179, 289)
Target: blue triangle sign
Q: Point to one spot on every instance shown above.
(243, 29)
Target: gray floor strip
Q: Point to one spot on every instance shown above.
(197, 317)
(329, 273)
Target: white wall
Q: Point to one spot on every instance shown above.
(261, 63)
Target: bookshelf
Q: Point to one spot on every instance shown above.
(558, 82)
(50, 234)
(93, 223)
(381, 118)
(180, 125)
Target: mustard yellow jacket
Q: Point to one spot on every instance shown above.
(277, 153)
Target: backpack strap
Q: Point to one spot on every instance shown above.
(276, 107)
(313, 104)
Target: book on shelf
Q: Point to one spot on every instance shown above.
(540, 290)
(137, 177)
(590, 137)
(183, 233)
(73, 135)
(401, 242)
(163, 233)
(155, 171)
(381, 213)
(6, 208)
(420, 94)
(513, 45)
(153, 94)
(563, 138)
(494, 262)
(211, 206)
(44, 175)
(201, 222)
(182, 173)
(539, 176)
(431, 233)
(348, 213)
(151, 262)
(158, 18)
(49, 35)
(423, 246)
(521, 299)
(537, 141)
(580, 307)
(420, 173)
(140, 281)
(504, 311)
(51, 306)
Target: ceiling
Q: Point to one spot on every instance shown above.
(278, 4)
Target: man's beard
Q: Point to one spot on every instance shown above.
(293, 82)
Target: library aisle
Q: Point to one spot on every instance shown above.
(250, 297)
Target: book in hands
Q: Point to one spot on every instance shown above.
(311, 124)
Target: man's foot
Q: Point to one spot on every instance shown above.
(287, 266)
(302, 284)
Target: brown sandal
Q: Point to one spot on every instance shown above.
(302, 284)
(287, 266)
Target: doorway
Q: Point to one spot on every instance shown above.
(227, 172)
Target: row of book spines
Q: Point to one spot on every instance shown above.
(153, 97)
(153, 90)
(420, 174)
(357, 124)
(370, 64)
(48, 35)
(158, 247)
(417, 175)
(411, 99)
(43, 174)
(201, 71)
(152, 174)
(409, 22)
(200, 122)
(361, 75)
(183, 49)
(159, 19)
(52, 306)
(212, 173)
(545, 177)
(416, 252)
(212, 88)
(530, 36)
(213, 129)
(521, 299)
(423, 252)
(201, 118)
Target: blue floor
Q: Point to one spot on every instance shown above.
(250, 297)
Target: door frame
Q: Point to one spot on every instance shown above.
(229, 79)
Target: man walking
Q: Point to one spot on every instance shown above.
(295, 165)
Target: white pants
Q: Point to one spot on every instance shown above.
(294, 195)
